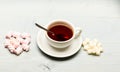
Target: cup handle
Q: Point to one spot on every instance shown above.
(78, 32)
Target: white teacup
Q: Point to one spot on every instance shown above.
(62, 44)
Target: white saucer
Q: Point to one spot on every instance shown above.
(54, 52)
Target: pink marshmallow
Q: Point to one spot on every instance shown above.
(25, 35)
(18, 51)
(25, 47)
(16, 45)
(20, 39)
(7, 43)
(16, 34)
(17, 42)
(25, 42)
(12, 41)
(11, 49)
(9, 35)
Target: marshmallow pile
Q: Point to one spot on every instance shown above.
(92, 47)
(17, 42)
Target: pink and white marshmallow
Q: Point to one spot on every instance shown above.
(17, 42)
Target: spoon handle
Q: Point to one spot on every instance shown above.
(43, 28)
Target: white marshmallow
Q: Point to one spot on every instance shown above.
(92, 44)
(94, 50)
(101, 49)
(89, 51)
(99, 44)
(86, 47)
(95, 40)
(92, 47)
(97, 52)
(86, 41)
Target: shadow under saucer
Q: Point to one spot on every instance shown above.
(59, 58)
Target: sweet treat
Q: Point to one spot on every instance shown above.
(17, 42)
(93, 47)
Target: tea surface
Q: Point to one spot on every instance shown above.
(62, 33)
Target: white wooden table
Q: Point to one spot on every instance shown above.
(98, 18)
